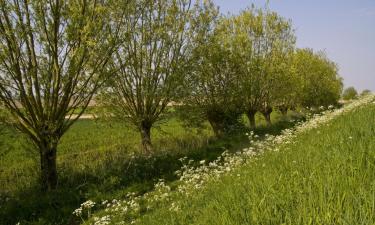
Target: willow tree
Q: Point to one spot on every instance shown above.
(265, 39)
(52, 53)
(285, 85)
(350, 93)
(365, 92)
(289, 89)
(212, 83)
(247, 28)
(321, 84)
(148, 64)
(276, 42)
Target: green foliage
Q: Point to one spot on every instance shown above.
(263, 42)
(350, 93)
(52, 55)
(146, 66)
(211, 86)
(272, 47)
(242, 64)
(365, 92)
(321, 85)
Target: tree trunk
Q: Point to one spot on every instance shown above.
(217, 127)
(251, 116)
(48, 169)
(145, 130)
(267, 115)
(283, 110)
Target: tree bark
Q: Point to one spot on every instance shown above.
(267, 115)
(251, 116)
(48, 169)
(145, 130)
(283, 110)
(216, 120)
(216, 127)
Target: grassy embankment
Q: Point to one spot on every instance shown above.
(325, 176)
(100, 160)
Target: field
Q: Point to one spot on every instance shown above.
(99, 159)
(322, 176)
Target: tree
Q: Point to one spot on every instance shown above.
(248, 31)
(265, 40)
(148, 63)
(321, 84)
(288, 87)
(365, 92)
(52, 55)
(277, 44)
(212, 84)
(350, 93)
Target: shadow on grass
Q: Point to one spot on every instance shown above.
(108, 175)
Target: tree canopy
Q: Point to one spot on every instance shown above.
(52, 56)
(142, 59)
(148, 64)
(350, 93)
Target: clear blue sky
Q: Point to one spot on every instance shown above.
(344, 29)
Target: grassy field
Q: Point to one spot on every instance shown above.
(100, 160)
(324, 176)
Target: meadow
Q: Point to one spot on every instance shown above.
(100, 159)
(320, 172)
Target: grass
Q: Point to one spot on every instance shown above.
(100, 160)
(327, 176)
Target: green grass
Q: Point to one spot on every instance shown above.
(326, 177)
(101, 160)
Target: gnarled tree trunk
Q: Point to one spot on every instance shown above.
(48, 167)
(267, 115)
(216, 118)
(217, 127)
(284, 110)
(145, 130)
(251, 116)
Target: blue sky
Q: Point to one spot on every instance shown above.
(344, 29)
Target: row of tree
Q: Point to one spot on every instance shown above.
(136, 57)
(351, 93)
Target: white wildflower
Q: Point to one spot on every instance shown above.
(77, 212)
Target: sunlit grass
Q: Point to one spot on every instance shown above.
(326, 177)
(99, 159)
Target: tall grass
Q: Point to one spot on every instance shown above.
(327, 176)
(100, 160)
